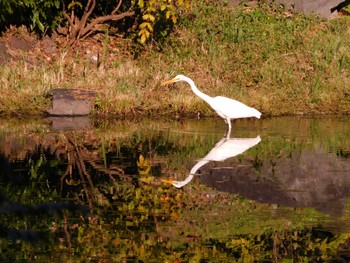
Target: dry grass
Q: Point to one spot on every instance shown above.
(278, 63)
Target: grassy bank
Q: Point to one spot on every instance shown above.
(277, 62)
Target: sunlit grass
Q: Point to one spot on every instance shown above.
(280, 63)
(277, 62)
(23, 91)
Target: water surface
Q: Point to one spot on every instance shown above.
(97, 190)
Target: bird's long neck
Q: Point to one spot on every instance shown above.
(200, 94)
(198, 165)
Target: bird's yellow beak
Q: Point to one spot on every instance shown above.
(168, 82)
(167, 181)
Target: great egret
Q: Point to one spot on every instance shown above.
(227, 108)
(223, 149)
(180, 184)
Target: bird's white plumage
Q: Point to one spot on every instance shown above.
(223, 149)
(226, 108)
(233, 109)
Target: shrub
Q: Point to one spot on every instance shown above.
(80, 18)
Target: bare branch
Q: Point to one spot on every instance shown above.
(66, 16)
(117, 8)
(87, 7)
(87, 34)
(102, 19)
(87, 12)
(69, 19)
(81, 28)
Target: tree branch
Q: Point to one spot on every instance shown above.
(87, 7)
(87, 12)
(81, 28)
(102, 19)
(117, 7)
(66, 16)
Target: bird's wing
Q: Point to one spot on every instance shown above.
(230, 148)
(233, 109)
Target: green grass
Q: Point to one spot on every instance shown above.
(277, 62)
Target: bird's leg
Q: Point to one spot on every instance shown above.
(228, 135)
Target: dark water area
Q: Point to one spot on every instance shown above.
(77, 189)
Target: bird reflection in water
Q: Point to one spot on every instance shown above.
(225, 148)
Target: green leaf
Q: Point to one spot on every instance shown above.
(131, 205)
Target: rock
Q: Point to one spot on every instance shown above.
(71, 102)
(4, 55)
(70, 123)
(20, 43)
(322, 8)
(49, 45)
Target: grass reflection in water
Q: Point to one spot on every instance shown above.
(115, 169)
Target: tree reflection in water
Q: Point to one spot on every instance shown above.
(133, 216)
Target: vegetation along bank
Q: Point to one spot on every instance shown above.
(274, 60)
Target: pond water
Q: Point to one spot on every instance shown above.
(76, 189)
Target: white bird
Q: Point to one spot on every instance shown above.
(226, 108)
(180, 184)
(224, 149)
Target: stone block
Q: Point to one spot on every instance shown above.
(71, 102)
